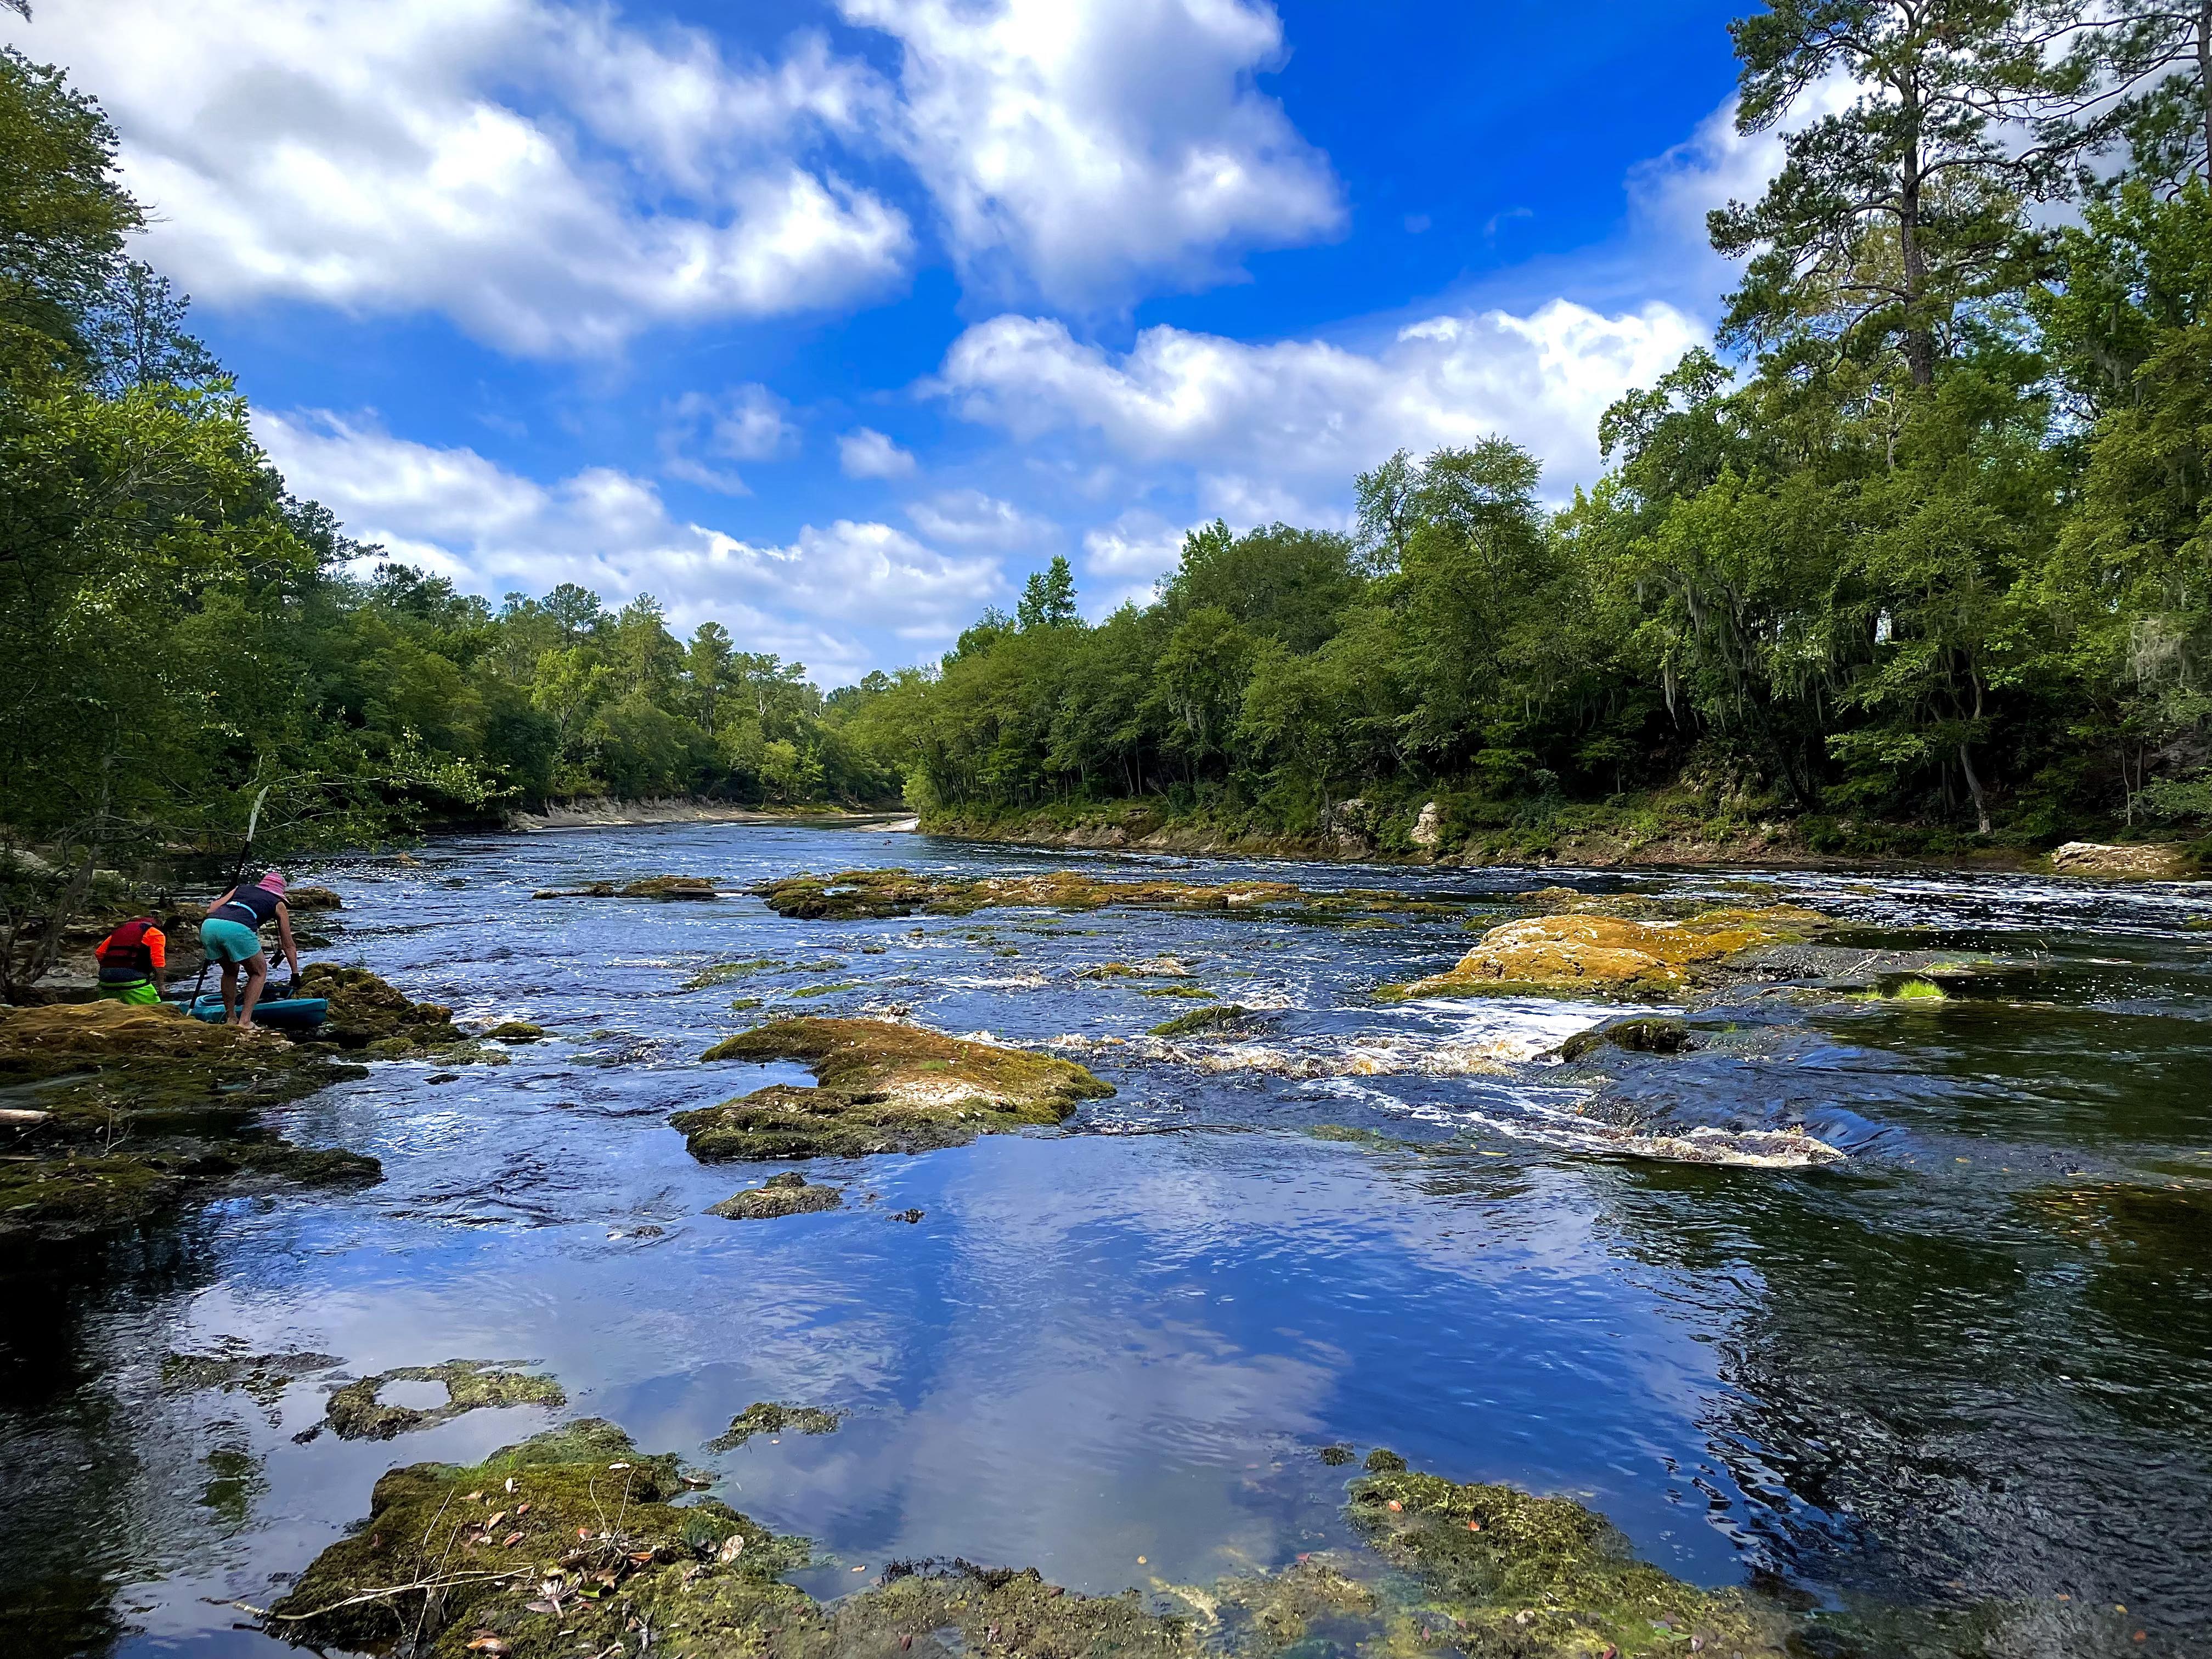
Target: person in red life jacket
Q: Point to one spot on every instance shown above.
(232, 936)
(134, 962)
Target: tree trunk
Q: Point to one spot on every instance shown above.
(2204, 78)
(1919, 338)
(1974, 788)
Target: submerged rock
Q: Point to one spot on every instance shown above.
(1525, 1575)
(781, 1195)
(570, 1544)
(1611, 955)
(355, 1412)
(262, 1377)
(765, 1417)
(1648, 1036)
(882, 1087)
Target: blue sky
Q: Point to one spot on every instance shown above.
(833, 320)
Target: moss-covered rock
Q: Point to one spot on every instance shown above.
(722, 973)
(857, 895)
(305, 900)
(1526, 1575)
(516, 1031)
(1648, 1036)
(781, 1195)
(1200, 1021)
(1582, 953)
(357, 1413)
(140, 1110)
(881, 1087)
(766, 1417)
(666, 889)
(570, 1543)
(365, 1009)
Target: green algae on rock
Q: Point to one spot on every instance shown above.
(766, 1417)
(142, 1108)
(262, 1377)
(1525, 1575)
(1198, 1021)
(779, 1196)
(881, 1087)
(721, 973)
(570, 1544)
(356, 1412)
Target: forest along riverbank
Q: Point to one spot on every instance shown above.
(1233, 1232)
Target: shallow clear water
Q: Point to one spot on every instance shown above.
(1968, 1365)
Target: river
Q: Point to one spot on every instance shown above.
(1966, 1365)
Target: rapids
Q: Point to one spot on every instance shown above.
(1900, 1308)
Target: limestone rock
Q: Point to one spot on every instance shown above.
(2085, 858)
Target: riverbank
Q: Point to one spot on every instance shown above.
(1653, 832)
(610, 814)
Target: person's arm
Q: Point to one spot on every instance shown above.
(157, 952)
(284, 936)
(222, 899)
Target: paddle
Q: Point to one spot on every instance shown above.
(252, 823)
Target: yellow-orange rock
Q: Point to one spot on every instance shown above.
(1613, 954)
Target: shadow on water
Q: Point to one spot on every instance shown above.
(1966, 1366)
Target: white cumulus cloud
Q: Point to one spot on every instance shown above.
(969, 518)
(1084, 148)
(1125, 560)
(550, 180)
(864, 452)
(1269, 429)
(461, 515)
(746, 423)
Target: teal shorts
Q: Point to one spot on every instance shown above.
(228, 941)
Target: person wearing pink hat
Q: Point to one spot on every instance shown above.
(232, 936)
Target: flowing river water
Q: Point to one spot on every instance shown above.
(1957, 1379)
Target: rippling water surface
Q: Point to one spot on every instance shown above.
(1958, 1374)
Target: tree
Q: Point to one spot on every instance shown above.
(1887, 215)
(2141, 73)
(1048, 597)
(706, 667)
(63, 217)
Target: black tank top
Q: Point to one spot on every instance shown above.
(258, 904)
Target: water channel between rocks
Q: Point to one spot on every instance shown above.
(1968, 1364)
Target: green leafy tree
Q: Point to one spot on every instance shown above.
(1048, 597)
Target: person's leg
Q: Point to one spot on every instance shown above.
(230, 993)
(257, 976)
